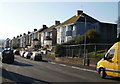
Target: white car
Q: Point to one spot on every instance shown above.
(22, 53)
(28, 55)
(36, 56)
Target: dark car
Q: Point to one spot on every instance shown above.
(27, 55)
(16, 52)
(7, 56)
(36, 56)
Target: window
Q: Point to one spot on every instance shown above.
(74, 28)
(62, 29)
(42, 34)
(47, 33)
(69, 28)
(110, 54)
(58, 40)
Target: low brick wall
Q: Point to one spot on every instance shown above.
(70, 60)
(45, 57)
(78, 61)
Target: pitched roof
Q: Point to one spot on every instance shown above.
(49, 29)
(71, 20)
(42, 29)
(79, 18)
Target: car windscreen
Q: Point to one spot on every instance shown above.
(37, 54)
(7, 52)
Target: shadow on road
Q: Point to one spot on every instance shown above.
(21, 64)
(44, 61)
(41, 61)
(19, 79)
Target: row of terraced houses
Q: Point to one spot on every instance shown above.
(63, 32)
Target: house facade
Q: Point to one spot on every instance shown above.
(63, 32)
(81, 23)
(49, 35)
(28, 40)
(6, 43)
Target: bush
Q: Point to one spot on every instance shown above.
(59, 50)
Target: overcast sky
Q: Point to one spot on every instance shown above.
(20, 17)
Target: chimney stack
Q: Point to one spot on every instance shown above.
(24, 34)
(17, 36)
(20, 35)
(44, 26)
(79, 12)
(35, 30)
(29, 32)
(57, 22)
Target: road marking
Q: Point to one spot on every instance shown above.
(52, 62)
(74, 67)
(62, 65)
(84, 69)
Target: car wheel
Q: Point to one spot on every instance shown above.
(102, 73)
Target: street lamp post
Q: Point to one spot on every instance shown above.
(84, 60)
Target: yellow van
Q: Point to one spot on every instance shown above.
(110, 64)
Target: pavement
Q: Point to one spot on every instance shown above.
(26, 71)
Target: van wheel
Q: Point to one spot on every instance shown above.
(102, 73)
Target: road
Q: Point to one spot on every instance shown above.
(28, 71)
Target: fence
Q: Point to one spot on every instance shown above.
(93, 52)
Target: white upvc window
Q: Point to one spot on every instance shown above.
(58, 29)
(42, 34)
(74, 27)
(47, 33)
(61, 29)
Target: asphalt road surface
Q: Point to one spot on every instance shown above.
(28, 71)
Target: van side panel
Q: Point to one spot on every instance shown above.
(112, 66)
(118, 62)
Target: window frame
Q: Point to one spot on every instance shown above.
(109, 53)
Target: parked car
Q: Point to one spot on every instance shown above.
(27, 55)
(22, 53)
(16, 52)
(36, 56)
(110, 64)
(7, 56)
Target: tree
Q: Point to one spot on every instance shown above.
(92, 36)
